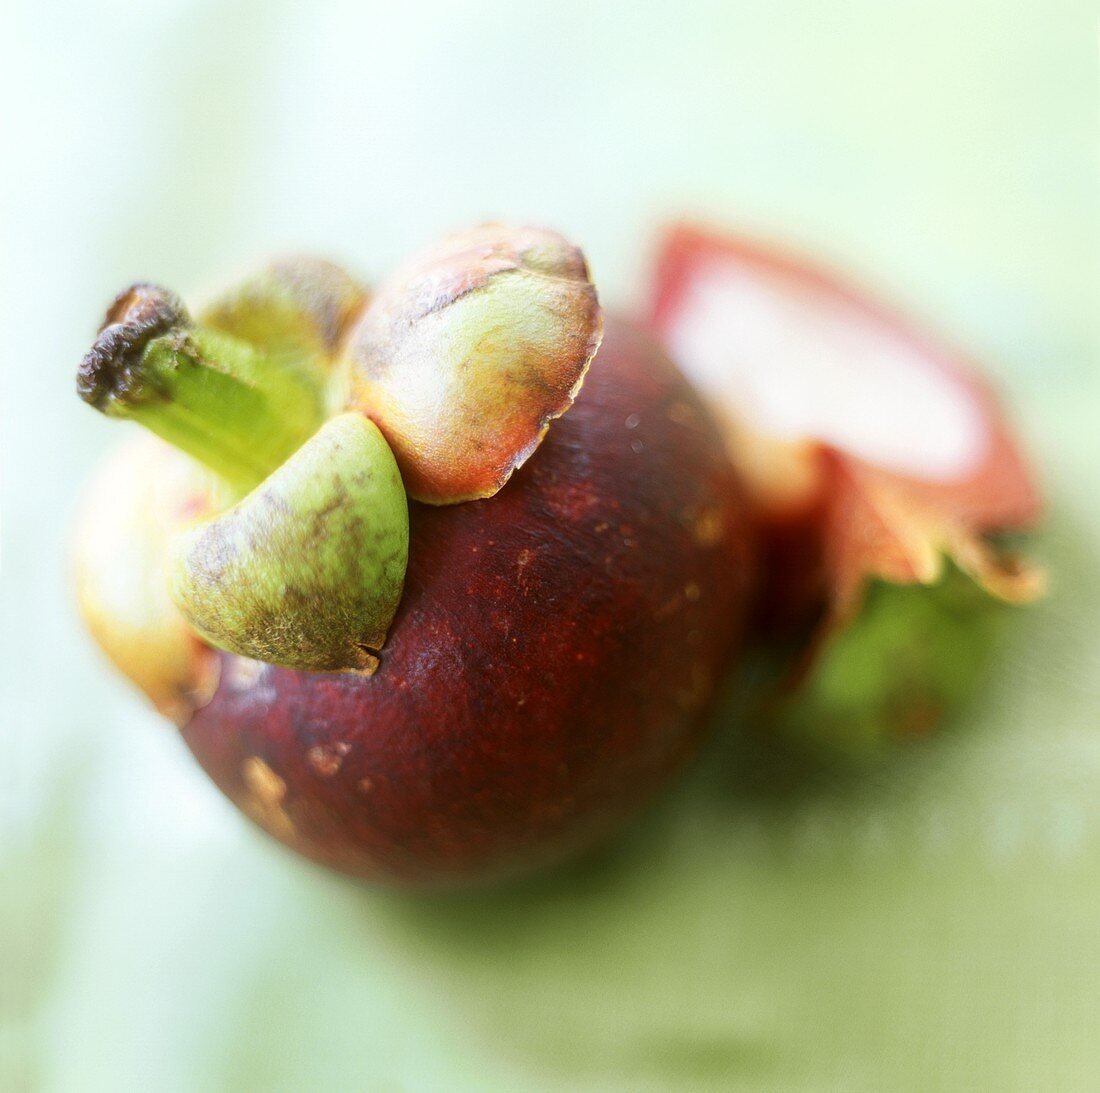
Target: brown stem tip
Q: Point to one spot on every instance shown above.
(138, 314)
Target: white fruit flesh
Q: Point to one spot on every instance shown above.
(795, 362)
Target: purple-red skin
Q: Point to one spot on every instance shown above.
(550, 667)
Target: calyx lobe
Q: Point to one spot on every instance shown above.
(466, 355)
(307, 570)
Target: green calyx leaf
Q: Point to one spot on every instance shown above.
(914, 654)
(296, 311)
(306, 571)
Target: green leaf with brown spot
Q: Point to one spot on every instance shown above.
(307, 570)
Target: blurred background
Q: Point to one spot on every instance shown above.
(929, 921)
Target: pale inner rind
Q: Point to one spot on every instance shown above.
(793, 362)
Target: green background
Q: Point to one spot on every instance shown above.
(926, 921)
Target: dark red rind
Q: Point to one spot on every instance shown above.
(555, 650)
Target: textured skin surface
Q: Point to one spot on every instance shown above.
(549, 665)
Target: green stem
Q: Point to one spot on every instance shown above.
(216, 397)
